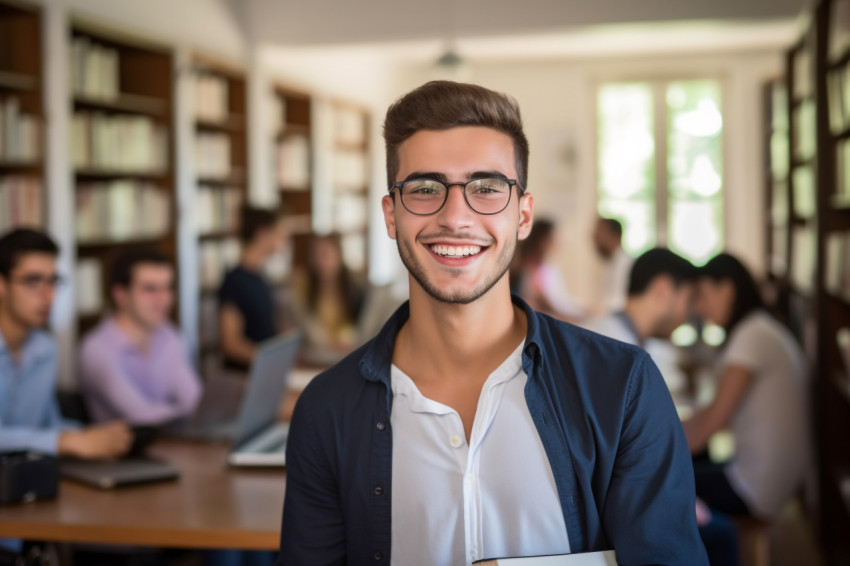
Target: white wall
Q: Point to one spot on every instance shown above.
(557, 99)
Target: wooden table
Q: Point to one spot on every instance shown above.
(210, 506)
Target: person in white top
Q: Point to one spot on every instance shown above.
(608, 241)
(762, 396)
(660, 297)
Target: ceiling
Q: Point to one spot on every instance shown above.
(324, 22)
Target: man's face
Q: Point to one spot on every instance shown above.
(150, 296)
(679, 306)
(603, 241)
(272, 239)
(27, 295)
(424, 242)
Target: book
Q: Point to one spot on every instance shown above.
(121, 210)
(94, 69)
(293, 162)
(88, 289)
(603, 558)
(21, 202)
(118, 143)
(212, 155)
(212, 99)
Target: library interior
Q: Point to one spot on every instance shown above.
(206, 178)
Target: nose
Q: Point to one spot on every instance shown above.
(455, 213)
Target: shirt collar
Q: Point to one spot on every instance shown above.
(36, 346)
(376, 363)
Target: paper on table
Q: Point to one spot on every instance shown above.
(604, 558)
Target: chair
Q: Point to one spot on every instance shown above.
(754, 536)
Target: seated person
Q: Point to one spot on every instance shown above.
(761, 395)
(539, 281)
(660, 292)
(246, 313)
(29, 414)
(134, 365)
(328, 302)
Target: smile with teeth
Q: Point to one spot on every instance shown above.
(455, 251)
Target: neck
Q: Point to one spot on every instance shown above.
(642, 315)
(252, 258)
(444, 340)
(138, 333)
(14, 333)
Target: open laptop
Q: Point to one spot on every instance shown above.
(260, 439)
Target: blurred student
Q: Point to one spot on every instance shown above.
(246, 313)
(134, 365)
(608, 241)
(328, 302)
(761, 395)
(540, 281)
(29, 414)
(660, 293)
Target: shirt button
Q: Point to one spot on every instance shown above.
(379, 490)
(381, 425)
(470, 478)
(378, 556)
(456, 441)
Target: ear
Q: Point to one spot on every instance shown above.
(526, 216)
(119, 296)
(388, 205)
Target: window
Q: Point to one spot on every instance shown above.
(660, 165)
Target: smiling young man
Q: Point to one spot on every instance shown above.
(473, 427)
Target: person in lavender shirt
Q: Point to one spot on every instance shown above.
(134, 365)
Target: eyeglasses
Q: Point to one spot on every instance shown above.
(424, 197)
(38, 282)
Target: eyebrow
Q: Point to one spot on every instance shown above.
(443, 179)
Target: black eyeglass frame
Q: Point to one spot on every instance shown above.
(511, 183)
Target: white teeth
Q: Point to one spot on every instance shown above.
(456, 251)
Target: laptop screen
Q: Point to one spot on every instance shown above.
(267, 383)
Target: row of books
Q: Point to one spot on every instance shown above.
(293, 162)
(349, 126)
(216, 257)
(120, 211)
(837, 273)
(217, 209)
(88, 286)
(94, 69)
(20, 132)
(212, 155)
(118, 143)
(351, 212)
(838, 98)
(21, 202)
(212, 101)
(350, 169)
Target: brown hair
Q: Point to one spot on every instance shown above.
(440, 105)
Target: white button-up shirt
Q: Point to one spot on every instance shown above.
(454, 502)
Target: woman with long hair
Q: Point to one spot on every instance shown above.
(762, 395)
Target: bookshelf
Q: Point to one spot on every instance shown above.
(221, 180)
(350, 182)
(122, 137)
(833, 76)
(22, 201)
(293, 164)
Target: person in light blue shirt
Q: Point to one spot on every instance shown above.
(29, 415)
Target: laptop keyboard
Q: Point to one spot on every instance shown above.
(270, 440)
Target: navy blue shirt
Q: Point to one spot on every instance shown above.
(251, 295)
(604, 415)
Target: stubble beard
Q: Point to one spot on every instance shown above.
(503, 263)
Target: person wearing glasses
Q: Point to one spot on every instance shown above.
(29, 414)
(471, 426)
(134, 365)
